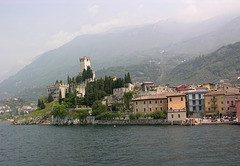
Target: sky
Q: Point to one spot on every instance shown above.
(28, 28)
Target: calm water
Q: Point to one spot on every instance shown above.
(123, 145)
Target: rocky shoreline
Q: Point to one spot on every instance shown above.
(90, 120)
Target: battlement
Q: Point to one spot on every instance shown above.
(84, 59)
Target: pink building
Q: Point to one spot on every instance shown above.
(237, 102)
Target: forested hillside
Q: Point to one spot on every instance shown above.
(221, 64)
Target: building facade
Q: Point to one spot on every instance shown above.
(177, 107)
(220, 103)
(54, 90)
(196, 104)
(148, 104)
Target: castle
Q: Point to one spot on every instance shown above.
(58, 89)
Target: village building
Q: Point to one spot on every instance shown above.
(219, 103)
(177, 107)
(148, 104)
(210, 86)
(196, 104)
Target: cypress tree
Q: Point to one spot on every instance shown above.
(60, 97)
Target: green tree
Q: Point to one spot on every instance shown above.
(42, 105)
(127, 98)
(60, 97)
(159, 114)
(98, 108)
(50, 99)
(128, 78)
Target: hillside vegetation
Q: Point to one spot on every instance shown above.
(221, 64)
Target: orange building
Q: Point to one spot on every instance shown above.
(177, 107)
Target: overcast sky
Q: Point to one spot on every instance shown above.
(29, 28)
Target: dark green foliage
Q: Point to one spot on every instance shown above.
(49, 99)
(100, 88)
(159, 115)
(87, 73)
(60, 97)
(117, 107)
(89, 95)
(41, 102)
(60, 110)
(42, 105)
(98, 108)
(136, 116)
(127, 98)
(82, 114)
(128, 78)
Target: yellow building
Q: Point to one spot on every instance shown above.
(177, 107)
(210, 86)
(148, 104)
(219, 103)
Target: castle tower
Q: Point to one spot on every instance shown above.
(84, 63)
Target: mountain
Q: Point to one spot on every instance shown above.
(202, 44)
(221, 64)
(119, 47)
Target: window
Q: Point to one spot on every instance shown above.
(221, 97)
(156, 102)
(222, 109)
(178, 115)
(144, 102)
(160, 101)
(170, 108)
(170, 99)
(200, 108)
(194, 108)
(150, 109)
(181, 98)
(221, 102)
(208, 109)
(144, 109)
(193, 96)
(136, 110)
(200, 102)
(194, 102)
(199, 96)
(228, 108)
(208, 103)
(150, 102)
(156, 108)
(227, 102)
(208, 97)
(136, 103)
(172, 115)
(161, 108)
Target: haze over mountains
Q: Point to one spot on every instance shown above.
(165, 44)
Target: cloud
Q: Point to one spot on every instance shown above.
(195, 10)
(140, 6)
(99, 27)
(93, 9)
(61, 38)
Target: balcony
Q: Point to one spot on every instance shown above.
(214, 105)
(214, 100)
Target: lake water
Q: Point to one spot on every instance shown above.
(123, 145)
